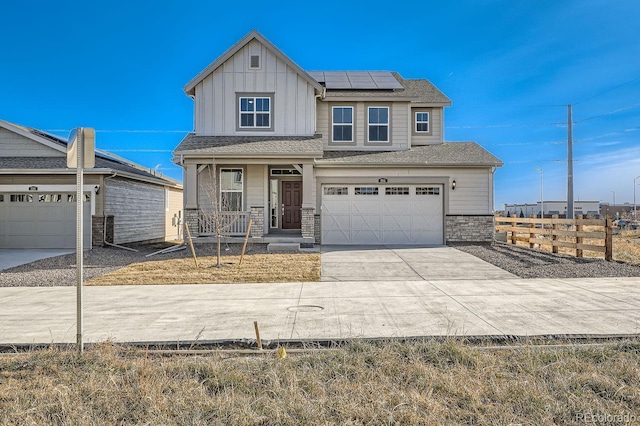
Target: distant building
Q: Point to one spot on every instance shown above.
(617, 210)
(586, 208)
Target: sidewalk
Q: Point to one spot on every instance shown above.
(324, 310)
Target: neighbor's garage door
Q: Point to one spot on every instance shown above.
(41, 220)
(377, 214)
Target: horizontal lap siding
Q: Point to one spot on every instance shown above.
(138, 210)
(399, 122)
(15, 145)
(473, 185)
(435, 124)
(175, 206)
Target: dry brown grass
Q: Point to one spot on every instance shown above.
(361, 383)
(255, 268)
(626, 247)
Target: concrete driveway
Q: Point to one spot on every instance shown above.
(10, 258)
(404, 263)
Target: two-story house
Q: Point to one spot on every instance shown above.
(330, 157)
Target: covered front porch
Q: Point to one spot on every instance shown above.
(273, 202)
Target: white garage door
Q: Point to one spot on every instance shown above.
(41, 220)
(382, 214)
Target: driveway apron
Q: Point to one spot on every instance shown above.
(402, 263)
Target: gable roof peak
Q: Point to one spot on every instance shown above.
(251, 35)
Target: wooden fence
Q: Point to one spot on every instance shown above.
(556, 233)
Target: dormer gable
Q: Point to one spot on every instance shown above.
(253, 89)
(253, 60)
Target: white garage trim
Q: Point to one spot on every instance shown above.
(382, 213)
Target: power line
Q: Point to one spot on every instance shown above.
(615, 111)
(607, 91)
(495, 126)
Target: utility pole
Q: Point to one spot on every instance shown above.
(569, 165)
(541, 193)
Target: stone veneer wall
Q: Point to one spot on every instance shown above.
(257, 217)
(97, 230)
(191, 220)
(308, 222)
(316, 230)
(469, 228)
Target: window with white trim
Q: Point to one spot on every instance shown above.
(366, 190)
(342, 122)
(428, 190)
(231, 190)
(255, 112)
(21, 198)
(422, 122)
(396, 190)
(336, 190)
(378, 124)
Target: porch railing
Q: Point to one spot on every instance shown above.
(231, 223)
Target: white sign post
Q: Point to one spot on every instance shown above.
(80, 154)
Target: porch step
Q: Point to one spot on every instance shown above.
(282, 247)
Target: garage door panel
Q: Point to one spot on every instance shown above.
(396, 222)
(365, 222)
(386, 217)
(47, 222)
(366, 236)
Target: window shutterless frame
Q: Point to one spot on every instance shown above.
(378, 124)
(231, 189)
(342, 124)
(422, 121)
(255, 112)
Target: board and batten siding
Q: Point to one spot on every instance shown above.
(15, 145)
(216, 104)
(473, 193)
(435, 125)
(138, 210)
(399, 122)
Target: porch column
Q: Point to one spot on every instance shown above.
(308, 203)
(307, 186)
(191, 186)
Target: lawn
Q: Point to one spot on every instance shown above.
(255, 268)
(411, 383)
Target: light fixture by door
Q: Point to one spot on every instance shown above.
(453, 185)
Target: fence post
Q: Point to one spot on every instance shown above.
(608, 239)
(513, 233)
(579, 228)
(554, 236)
(532, 236)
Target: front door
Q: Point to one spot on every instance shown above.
(291, 205)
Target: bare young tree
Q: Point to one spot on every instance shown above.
(218, 210)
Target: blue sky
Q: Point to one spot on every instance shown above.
(510, 68)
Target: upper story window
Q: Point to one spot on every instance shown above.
(422, 122)
(378, 124)
(255, 112)
(342, 123)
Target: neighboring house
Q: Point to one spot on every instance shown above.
(37, 196)
(329, 157)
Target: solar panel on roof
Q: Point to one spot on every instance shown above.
(357, 80)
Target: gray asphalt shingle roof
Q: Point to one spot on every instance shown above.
(445, 154)
(53, 163)
(251, 145)
(421, 90)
